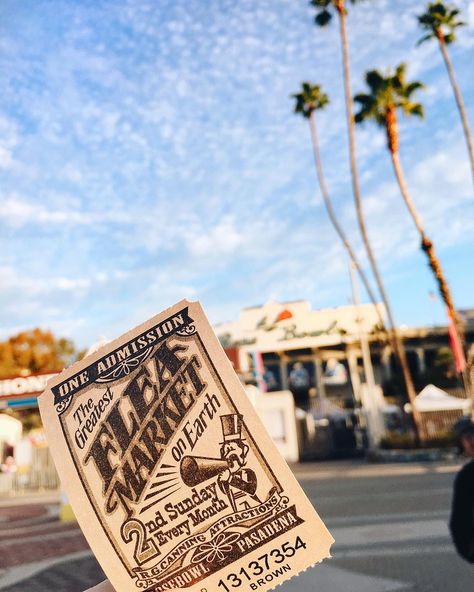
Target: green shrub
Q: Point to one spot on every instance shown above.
(395, 440)
(406, 441)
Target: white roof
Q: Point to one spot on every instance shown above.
(433, 398)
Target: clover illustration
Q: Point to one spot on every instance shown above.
(216, 549)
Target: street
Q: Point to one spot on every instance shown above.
(389, 522)
(390, 526)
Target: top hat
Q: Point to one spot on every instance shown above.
(231, 427)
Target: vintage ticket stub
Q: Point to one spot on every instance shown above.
(172, 476)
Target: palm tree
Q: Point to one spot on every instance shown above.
(441, 23)
(323, 17)
(387, 94)
(307, 102)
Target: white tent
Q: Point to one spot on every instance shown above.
(432, 398)
(10, 429)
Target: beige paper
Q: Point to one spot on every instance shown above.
(172, 476)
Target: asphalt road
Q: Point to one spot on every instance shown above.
(390, 529)
(389, 522)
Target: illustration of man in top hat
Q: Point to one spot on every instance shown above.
(237, 482)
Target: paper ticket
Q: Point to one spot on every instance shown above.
(170, 472)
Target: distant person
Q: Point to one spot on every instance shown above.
(462, 512)
(335, 372)
(270, 380)
(299, 385)
(9, 466)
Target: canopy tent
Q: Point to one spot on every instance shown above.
(10, 429)
(432, 398)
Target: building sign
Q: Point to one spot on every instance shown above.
(34, 384)
(278, 326)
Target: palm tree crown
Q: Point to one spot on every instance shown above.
(387, 93)
(440, 21)
(324, 15)
(310, 99)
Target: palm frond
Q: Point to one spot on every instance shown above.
(411, 87)
(323, 18)
(374, 79)
(368, 107)
(425, 38)
(400, 71)
(449, 38)
(311, 98)
(438, 7)
(425, 20)
(320, 3)
(299, 102)
(414, 109)
(440, 19)
(408, 109)
(364, 100)
(387, 92)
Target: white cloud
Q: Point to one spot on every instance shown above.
(220, 240)
(6, 160)
(8, 141)
(12, 280)
(157, 148)
(440, 188)
(17, 211)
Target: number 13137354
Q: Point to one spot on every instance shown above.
(264, 569)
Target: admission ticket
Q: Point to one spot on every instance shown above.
(172, 476)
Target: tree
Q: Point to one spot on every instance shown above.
(35, 351)
(323, 17)
(387, 95)
(307, 102)
(441, 22)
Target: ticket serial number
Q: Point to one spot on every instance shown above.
(267, 566)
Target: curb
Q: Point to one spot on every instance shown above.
(407, 456)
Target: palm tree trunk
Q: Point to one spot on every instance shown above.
(333, 217)
(458, 97)
(426, 244)
(395, 338)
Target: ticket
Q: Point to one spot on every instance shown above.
(171, 475)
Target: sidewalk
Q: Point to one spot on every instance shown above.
(32, 538)
(29, 498)
(359, 468)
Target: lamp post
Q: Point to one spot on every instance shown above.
(368, 390)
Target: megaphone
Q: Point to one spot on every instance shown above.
(197, 469)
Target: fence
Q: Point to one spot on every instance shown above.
(438, 424)
(40, 475)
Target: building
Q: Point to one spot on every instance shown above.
(327, 342)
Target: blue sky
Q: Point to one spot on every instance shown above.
(148, 152)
